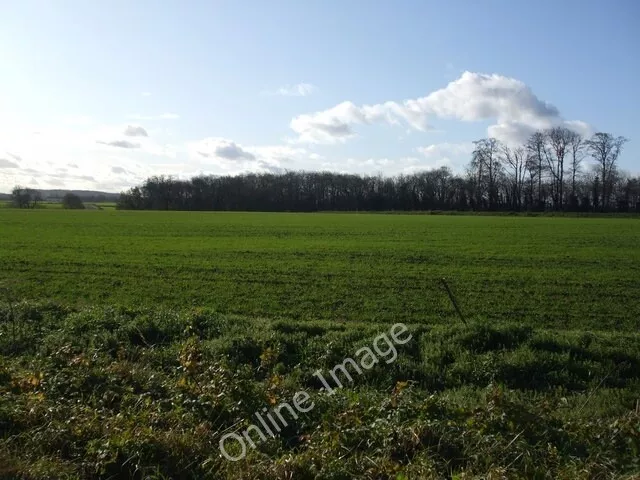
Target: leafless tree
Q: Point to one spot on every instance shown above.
(515, 160)
(486, 161)
(531, 167)
(537, 152)
(605, 149)
(21, 197)
(35, 198)
(577, 147)
(559, 139)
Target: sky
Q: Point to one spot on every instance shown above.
(101, 95)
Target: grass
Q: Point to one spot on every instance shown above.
(556, 272)
(130, 341)
(147, 393)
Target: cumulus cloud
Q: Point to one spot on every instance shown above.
(118, 170)
(135, 131)
(472, 97)
(221, 148)
(580, 127)
(513, 132)
(335, 125)
(297, 90)
(4, 163)
(120, 144)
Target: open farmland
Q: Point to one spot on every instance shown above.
(556, 272)
(131, 341)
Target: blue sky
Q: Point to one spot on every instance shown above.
(100, 95)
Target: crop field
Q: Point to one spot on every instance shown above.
(131, 342)
(556, 272)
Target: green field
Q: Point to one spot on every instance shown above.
(561, 273)
(58, 205)
(131, 341)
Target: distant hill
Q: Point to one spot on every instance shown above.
(85, 195)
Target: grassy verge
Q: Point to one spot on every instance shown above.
(115, 392)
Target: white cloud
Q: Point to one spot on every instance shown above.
(329, 126)
(135, 131)
(4, 163)
(121, 137)
(452, 155)
(278, 153)
(297, 90)
(223, 156)
(580, 127)
(146, 94)
(120, 143)
(220, 148)
(472, 97)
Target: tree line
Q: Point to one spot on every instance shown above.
(556, 169)
(22, 197)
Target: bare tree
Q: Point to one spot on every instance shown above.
(21, 197)
(577, 147)
(35, 198)
(537, 148)
(515, 161)
(531, 166)
(486, 161)
(605, 150)
(559, 139)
